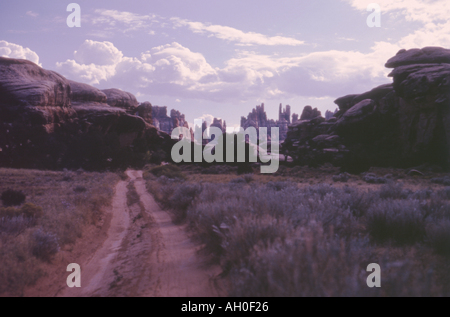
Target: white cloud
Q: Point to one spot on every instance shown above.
(235, 35)
(432, 14)
(127, 22)
(100, 53)
(174, 70)
(124, 21)
(32, 14)
(12, 50)
(425, 11)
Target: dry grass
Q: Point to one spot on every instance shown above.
(301, 234)
(57, 209)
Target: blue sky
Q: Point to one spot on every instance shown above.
(221, 58)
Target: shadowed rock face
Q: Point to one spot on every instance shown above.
(47, 121)
(426, 55)
(121, 99)
(85, 93)
(403, 124)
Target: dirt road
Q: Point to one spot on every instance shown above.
(143, 253)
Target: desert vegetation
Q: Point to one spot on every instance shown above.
(43, 212)
(277, 236)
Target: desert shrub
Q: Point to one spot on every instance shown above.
(358, 202)
(79, 189)
(169, 171)
(239, 180)
(373, 179)
(438, 237)
(277, 239)
(399, 221)
(248, 178)
(67, 178)
(441, 180)
(244, 168)
(16, 225)
(444, 193)
(278, 186)
(213, 170)
(11, 197)
(9, 212)
(44, 245)
(31, 210)
(323, 189)
(312, 264)
(182, 198)
(343, 177)
(156, 157)
(205, 218)
(393, 190)
(421, 194)
(238, 241)
(18, 268)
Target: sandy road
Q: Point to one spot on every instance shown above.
(144, 254)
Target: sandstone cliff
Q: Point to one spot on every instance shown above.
(47, 121)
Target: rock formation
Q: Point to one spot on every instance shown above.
(258, 119)
(403, 124)
(47, 121)
(165, 123)
(309, 113)
(121, 99)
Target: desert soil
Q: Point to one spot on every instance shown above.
(135, 251)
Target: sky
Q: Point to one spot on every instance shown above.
(215, 58)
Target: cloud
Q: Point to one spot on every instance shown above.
(100, 53)
(128, 22)
(32, 14)
(94, 62)
(431, 14)
(16, 51)
(124, 21)
(174, 70)
(234, 35)
(424, 11)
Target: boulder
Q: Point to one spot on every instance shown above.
(145, 112)
(23, 83)
(309, 113)
(121, 99)
(426, 55)
(81, 92)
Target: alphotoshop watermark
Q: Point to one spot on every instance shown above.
(74, 19)
(74, 279)
(214, 150)
(374, 19)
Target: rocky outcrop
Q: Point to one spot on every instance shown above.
(258, 119)
(309, 113)
(47, 121)
(165, 123)
(145, 111)
(426, 55)
(218, 123)
(403, 124)
(81, 93)
(121, 99)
